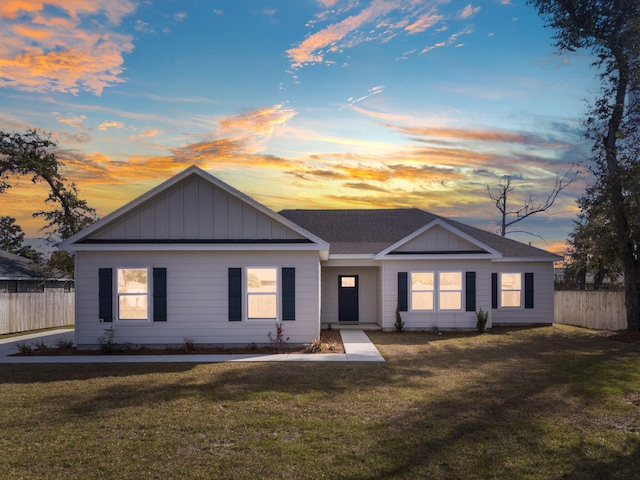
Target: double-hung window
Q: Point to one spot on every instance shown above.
(262, 293)
(511, 290)
(450, 290)
(133, 294)
(436, 291)
(422, 290)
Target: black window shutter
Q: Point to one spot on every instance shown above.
(494, 290)
(403, 291)
(288, 294)
(105, 294)
(235, 294)
(159, 294)
(470, 291)
(528, 290)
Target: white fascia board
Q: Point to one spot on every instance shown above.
(195, 247)
(351, 261)
(192, 170)
(440, 256)
(348, 256)
(550, 258)
(438, 222)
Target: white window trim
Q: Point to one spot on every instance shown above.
(436, 292)
(432, 291)
(461, 291)
(246, 294)
(500, 290)
(118, 294)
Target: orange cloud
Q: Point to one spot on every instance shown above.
(76, 122)
(470, 134)
(68, 48)
(310, 49)
(147, 133)
(469, 11)
(113, 124)
(423, 23)
(260, 122)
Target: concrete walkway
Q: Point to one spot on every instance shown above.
(357, 346)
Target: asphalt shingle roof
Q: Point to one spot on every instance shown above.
(15, 267)
(371, 231)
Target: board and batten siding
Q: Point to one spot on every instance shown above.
(367, 293)
(438, 239)
(197, 298)
(461, 319)
(543, 308)
(196, 210)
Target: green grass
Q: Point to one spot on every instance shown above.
(553, 402)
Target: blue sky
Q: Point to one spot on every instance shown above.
(300, 104)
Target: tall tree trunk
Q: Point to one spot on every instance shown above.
(615, 189)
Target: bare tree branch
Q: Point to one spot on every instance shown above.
(500, 195)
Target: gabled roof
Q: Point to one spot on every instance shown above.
(15, 267)
(183, 213)
(370, 232)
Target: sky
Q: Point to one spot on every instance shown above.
(300, 103)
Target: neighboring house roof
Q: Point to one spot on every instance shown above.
(15, 267)
(362, 232)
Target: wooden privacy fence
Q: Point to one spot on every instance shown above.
(20, 312)
(597, 310)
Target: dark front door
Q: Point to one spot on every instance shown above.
(348, 298)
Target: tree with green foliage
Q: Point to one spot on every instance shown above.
(33, 154)
(610, 29)
(593, 245)
(12, 240)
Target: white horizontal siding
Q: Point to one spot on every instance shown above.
(543, 301)
(197, 297)
(428, 320)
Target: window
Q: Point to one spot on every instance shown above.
(422, 287)
(262, 293)
(348, 282)
(510, 290)
(450, 290)
(133, 294)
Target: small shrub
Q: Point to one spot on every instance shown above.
(64, 343)
(399, 324)
(42, 347)
(436, 330)
(24, 348)
(482, 317)
(278, 340)
(317, 346)
(107, 341)
(188, 345)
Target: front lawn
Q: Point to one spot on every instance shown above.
(552, 402)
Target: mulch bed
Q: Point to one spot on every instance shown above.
(331, 340)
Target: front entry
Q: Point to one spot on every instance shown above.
(348, 298)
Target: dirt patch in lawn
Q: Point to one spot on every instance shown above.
(625, 336)
(330, 342)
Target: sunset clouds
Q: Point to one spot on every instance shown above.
(320, 104)
(354, 24)
(63, 45)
